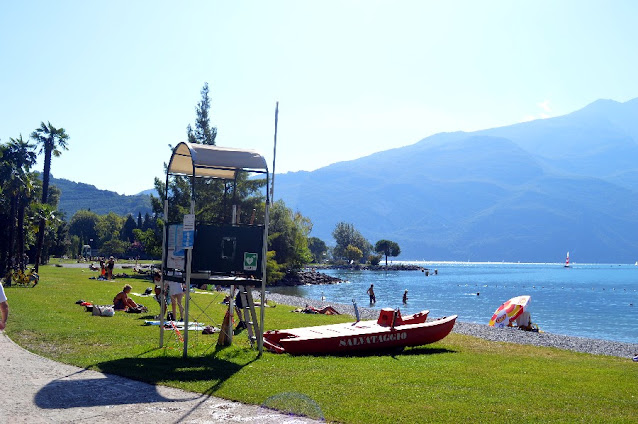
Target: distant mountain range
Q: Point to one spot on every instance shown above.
(148, 192)
(75, 196)
(525, 192)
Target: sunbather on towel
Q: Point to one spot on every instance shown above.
(121, 301)
(327, 310)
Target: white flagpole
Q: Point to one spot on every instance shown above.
(274, 156)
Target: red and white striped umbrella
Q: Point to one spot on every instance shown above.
(509, 311)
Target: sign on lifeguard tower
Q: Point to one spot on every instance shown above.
(188, 231)
(250, 261)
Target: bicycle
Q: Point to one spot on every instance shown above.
(25, 279)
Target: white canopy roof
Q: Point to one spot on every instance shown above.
(202, 160)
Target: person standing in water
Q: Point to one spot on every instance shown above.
(370, 292)
(405, 296)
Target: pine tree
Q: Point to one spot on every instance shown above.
(204, 133)
(214, 197)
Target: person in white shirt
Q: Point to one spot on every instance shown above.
(524, 321)
(4, 309)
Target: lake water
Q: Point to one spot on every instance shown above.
(594, 301)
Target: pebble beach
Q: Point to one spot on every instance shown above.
(508, 335)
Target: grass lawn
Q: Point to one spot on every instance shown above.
(459, 379)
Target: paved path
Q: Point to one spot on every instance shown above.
(38, 390)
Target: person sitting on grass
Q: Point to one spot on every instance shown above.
(157, 278)
(121, 302)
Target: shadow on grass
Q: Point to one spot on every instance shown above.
(423, 350)
(148, 318)
(166, 369)
(393, 352)
(118, 385)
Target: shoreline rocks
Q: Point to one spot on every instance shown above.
(507, 335)
(301, 278)
(380, 267)
(314, 276)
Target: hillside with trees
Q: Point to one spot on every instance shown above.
(77, 196)
(42, 216)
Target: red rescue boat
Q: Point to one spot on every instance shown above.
(390, 331)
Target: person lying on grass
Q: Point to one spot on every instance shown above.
(328, 310)
(121, 301)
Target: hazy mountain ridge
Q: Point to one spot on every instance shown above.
(526, 192)
(529, 191)
(76, 196)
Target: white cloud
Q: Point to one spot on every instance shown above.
(545, 106)
(546, 109)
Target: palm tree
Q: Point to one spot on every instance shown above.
(51, 140)
(19, 155)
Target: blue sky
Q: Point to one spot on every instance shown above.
(352, 77)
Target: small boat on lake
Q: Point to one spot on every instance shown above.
(389, 331)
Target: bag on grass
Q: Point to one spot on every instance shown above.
(103, 311)
(210, 330)
(138, 310)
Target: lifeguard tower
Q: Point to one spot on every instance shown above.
(226, 252)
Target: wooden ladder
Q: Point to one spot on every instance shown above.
(250, 316)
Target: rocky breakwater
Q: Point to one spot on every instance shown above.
(314, 276)
(300, 278)
(391, 267)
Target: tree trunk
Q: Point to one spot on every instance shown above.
(45, 196)
(20, 231)
(46, 175)
(38, 250)
(12, 227)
